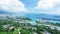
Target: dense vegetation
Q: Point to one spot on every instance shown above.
(26, 28)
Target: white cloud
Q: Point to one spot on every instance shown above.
(48, 7)
(12, 5)
(46, 4)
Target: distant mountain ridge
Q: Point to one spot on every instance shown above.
(4, 12)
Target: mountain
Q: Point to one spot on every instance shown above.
(4, 12)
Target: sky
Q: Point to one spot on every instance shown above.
(31, 6)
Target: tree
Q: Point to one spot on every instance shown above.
(1, 28)
(25, 31)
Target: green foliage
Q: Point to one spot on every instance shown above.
(1, 28)
(15, 31)
(25, 31)
(39, 29)
(53, 31)
(16, 24)
(5, 32)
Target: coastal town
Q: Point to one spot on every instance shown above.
(29, 16)
(25, 25)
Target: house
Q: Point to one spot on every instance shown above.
(11, 28)
(5, 26)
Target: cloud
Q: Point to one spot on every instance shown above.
(48, 7)
(46, 4)
(12, 5)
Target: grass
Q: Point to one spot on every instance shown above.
(5, 32)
